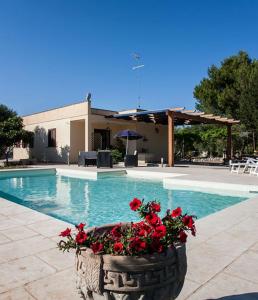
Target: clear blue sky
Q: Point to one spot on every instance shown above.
(52, 52)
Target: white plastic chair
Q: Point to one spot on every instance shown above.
(250, 166)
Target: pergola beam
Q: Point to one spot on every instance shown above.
(202, 119)
(171, 141)
(179, 116)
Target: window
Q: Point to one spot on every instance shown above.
(52, 137)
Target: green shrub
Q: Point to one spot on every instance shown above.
(117, 156)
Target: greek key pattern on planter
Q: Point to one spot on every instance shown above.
(132, 281)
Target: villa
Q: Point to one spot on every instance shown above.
(61, 133)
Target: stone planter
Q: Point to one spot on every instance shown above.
(148, 277)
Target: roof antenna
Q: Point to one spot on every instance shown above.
(136, 68)
(88, 97)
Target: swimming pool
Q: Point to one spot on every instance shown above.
(105, 200)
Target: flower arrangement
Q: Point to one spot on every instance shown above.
(151, 235)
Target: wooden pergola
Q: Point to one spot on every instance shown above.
(179, 116)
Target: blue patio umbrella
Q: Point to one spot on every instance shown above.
(128, 135)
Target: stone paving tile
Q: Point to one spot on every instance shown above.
(13, 210)
(19, 233)
(188, 288)
(22, 248)
(58, 259)
(2, 217)
(8, 224)
(16, 294)
(5, 203)
(225, 243)
(254, 248)
(3, 239)
(204, 262)
(244, 229)
(245, 267)
(20, 271)
(49, 228)
(59, 286)
(224, 286)
(29, 217)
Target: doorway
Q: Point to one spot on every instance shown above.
(101, 139)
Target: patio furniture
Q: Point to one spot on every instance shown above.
(235, 167)
(248, 166)
(254, 168)
(87, 158)
(104, 159)
(129, 135)
(131, 160)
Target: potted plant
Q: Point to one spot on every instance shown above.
(138, 260)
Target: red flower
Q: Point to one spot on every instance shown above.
(153, 219)
(80, 226)
(188, 221)
(176, 212)
(182, 236)
(193, 231)
(135, 204)
(137, 245)
(66, 232)
(115, 231)
(142, 245)
(142, 228)
(142, 232)
(156, 246)
(155, 207)
(97, 247)
(118, 247)
(81, 237)
(160, 232)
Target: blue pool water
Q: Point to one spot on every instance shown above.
(105, 200)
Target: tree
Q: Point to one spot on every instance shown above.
(11, 131)
(231, 90)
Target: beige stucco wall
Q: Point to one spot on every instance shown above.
(77, 139)
(41, 151)
(154, 141)
(75, 126)
(21, 153)
(74, 111)
(155, 136)
(60, 119)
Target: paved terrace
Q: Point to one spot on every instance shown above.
(189, 172)
(222, 259)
